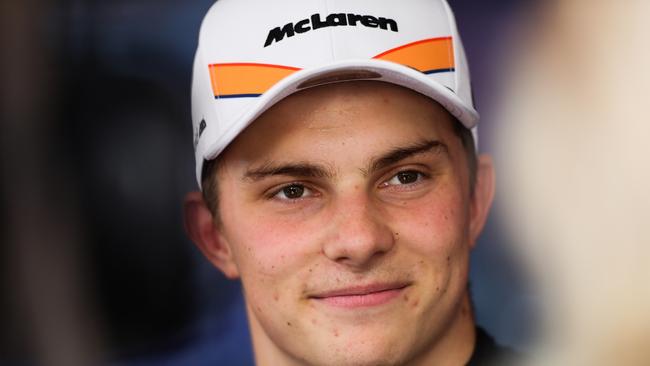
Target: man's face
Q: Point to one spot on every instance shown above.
(346, 211)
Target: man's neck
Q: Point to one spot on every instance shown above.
(454, 347)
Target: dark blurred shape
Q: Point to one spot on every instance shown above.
(124, 140)
(125, 137)
(49, 317)
(95, 263)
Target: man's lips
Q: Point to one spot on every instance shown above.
(361, 296)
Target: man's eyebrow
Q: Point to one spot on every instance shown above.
(305, 170)
(400, 153)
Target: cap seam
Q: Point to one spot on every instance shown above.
(330, 32)
(453, 52)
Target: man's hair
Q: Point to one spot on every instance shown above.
(467, 139)
(211, 189)
(209, 185)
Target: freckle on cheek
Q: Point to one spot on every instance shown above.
(406, 298)
(336, 332)
(464, 311)
(276, 297)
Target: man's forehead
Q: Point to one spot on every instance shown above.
(352, 100)
(367, 121)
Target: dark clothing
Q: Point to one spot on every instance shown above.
(488, 353)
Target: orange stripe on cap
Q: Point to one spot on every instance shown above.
(427, 56)
(235, 80)
(246, 79)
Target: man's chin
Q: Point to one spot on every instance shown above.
(364, 345)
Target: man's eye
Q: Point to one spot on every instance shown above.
(293, 192)
(405, 177)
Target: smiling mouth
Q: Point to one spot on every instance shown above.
(361, 296)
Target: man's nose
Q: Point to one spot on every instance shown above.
(358, 234)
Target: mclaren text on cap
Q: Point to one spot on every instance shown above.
(314, 22)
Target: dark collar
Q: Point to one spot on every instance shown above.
(487, 352)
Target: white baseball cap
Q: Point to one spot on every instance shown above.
(254, 53)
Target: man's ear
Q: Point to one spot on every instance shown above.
(202, 230)
(482, 197)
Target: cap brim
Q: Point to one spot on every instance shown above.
(347, 71)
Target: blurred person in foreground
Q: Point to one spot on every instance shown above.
(340, 180)
(577, 165)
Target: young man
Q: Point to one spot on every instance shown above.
(339, 178)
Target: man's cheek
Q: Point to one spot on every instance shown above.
(432, 223)
(272, 249)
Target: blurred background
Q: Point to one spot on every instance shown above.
(97, 156)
